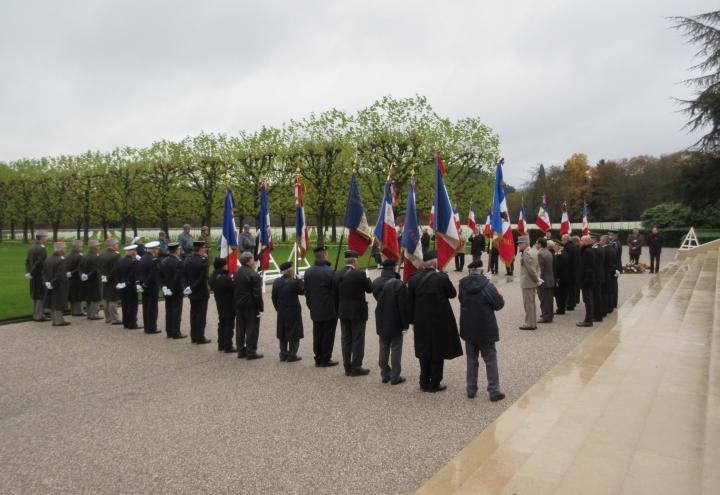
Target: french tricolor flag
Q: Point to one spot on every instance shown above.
(265, 234)
(543, 216)
(565, 220)
(487, 230)
(522, 221)
(360, 234)
(301, 231)
(501, 218)
(385, 231)
(471, 223)
(228, 241)
(585, 223)
(447, 237)
(411, 237)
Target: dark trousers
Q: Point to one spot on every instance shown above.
(613, 294)
(635, 258)
(546, 303)
(599, 302)
(494, 255)
(431, 372)
(129, 306)
(323, 340)
(459, 261)
(173, 314)
(248, 330)
(654, 262)
(198, 315)
(390, 349)
(288, 348)
(489, 356)
(510, 268)
(569, 295)
(226, 326)
(577, 293)
(150, 309)
(352, 341)
(587, 296)
(561, 297)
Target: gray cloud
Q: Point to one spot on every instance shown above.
(552, 77)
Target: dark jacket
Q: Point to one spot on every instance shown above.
(223, 288)
(91, 288)
(195, 276)
(319, 291)
(546, 264)
(54, 272)
(248, 289)
(562, 269)
(436, 332)
(171, 274)
(573, 260)
(479, 299)
(477, 244)
(286, 292)
(618, 252)
(425, 242)
(34, 263)
(72, 265)
(350, 286)
(587, 266)
(126, 271)
(391, 312)
(610, 262)
(635, 243)
(655, 242)
(106, 264)
(148, 272)
(599, 264)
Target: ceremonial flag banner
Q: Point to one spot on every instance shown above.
(440, 163)
(522, 221)
(431, 216)
(487, 230)
(385, 231)
(447, 237)
(501, 218)
(266, 241)
(585, 224)
(301, 231)
(565, 220)
(228, 241)
(360, 234)
(456, 215)
(472, 225)
(543, 216)
(411, 237)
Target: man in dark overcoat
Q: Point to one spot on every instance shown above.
(573, 265)
(171, 278)
(56, 283)
(286, 292)
(320, 300)
(72, 265)
(611, 274)
(195, 273)
(562, 275)
(148, 281)
(223, 289)
(34, 263)
(599, 290)
(125, 276)
(106, 263)
(587, 279)
(436, 332)
(90, 278)
(249, 306)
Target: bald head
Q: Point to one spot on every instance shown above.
(586, 240)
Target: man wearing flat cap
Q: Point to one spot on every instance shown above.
(246, 240)
(34, 263)
(249, 306)
(172, 279)
(125, 277)
(286, 292)
(321, 303)
(90, 280)
(391, 320)
(349, 287)
(56, 283)
(148, 283)
(185, 239)
(195, 272)
(223, 289)
(529, 281)
(72, 265)
(435, 329)
(107, 262)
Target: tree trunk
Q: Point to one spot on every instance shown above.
(55, 228)
(12, 229)
(1, 230)
(25, 230)
(282, 227)
(105, 228)
(32, 230)
(78, 224)
(134, 227)
(123, 228)
(334, 228)
(320, 225)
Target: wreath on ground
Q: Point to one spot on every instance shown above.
(633, 268)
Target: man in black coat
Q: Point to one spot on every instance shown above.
(477, 244)
(479, 299)
(425, 241)
(224, 289)
(126, 283)
(436, 333)
(148, 282)
(195, 275)
(562, 276)
(90, 278)
(56, 283)
(611, 273)
(249, 307)
(391, 320)
(573, 266)
(34, 262)
(320, 300)
(615, 240)
(349, 287)
(599, 290)
(72, 265)
(171, 278)
(655, 244)
(107, 262)
(587, 279)
(286, 292)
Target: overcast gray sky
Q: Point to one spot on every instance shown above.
(551, 77)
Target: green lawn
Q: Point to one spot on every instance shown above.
(14, 288)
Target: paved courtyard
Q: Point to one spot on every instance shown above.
(92, 408)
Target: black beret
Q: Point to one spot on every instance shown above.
(430, 255)
(285, 266)
(320, 248)
(198, 244)
(351, 254)
(389, 263)
(476, 264)
(172, 246)
(612, 231)
(219, 263)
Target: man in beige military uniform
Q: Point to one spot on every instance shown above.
(529, 281)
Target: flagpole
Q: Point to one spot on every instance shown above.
(342, 236)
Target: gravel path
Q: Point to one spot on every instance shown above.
(97, 409)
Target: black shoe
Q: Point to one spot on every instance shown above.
(525, 327)
(347, 372)
(95, 318)
(42, 320)
(329, 364)
(438, 388)
(283, 357)
(136, 327)
(242, 354)
(496, 396)
(385, 380)
(229, 350)
(293, 359)
(80, 314)
(584, 324)
(152, 332)
(179, 336)
(471, 395)
(398, 380)
(359, 372)
(46, 318)
(254, 355)
(203, 341)
(63, 324)
(116, 323)
(597, 320)
(559, 312)
(543, 320)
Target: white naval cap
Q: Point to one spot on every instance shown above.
(152, 244)
(130, 247)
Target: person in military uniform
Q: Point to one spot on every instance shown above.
(436, 332)
(106, 265)
(195, 273)
(320, 301)
(615, 240)
(286, 292)
(617, 246)
(171, 277)
(460, 256)
(349, 287)
(562, 275)
(34, 263)
(223, 289)
(529, 281)
(91, 288)
(148, 283)
(163, 247)
(72, 265)
(205, 237)
(391, 321)
(477, 244)
(249, 307)
(573, 266)
(494, 256)
(610, 258)
(599, 290)
(587, 279)
(185, 239)
(546, 273)
(56, 282)
(635, 243)
(125, 277)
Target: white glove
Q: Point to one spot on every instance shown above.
(135, 239)
(138, 257)
(28, 276)
(617, 273)
(48, 285)
(166, 291)
(367, 273)
(187, 291)
(103, 279)
(540, 281)
(259, 315)
(120, 286)
(84, 277)
(412, 327)
(68, 274)
(139, 288)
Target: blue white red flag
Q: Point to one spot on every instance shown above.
(487, 230)
(228, 241)
(501, 218)
(565, 220)
(360, 234)
(471, 223)
(385, 231)
(265, 234)
(543, 216)
(447, 237)
(522, 220)
(302, 238)
(431, 216)
(411, 237)
(585, 223)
